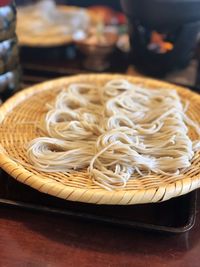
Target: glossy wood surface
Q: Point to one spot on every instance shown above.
(34, 239)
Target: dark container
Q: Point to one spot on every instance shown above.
(7, 21)
(163, 33)
(9, 83)
(9, 53)
(9, 56)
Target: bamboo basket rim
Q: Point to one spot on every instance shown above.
(96, 196)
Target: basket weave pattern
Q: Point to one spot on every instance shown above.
(19, 117)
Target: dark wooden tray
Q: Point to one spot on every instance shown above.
(174, 216)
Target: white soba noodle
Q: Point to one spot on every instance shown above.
(115, 131)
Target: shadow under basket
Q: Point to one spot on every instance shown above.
(158, 52)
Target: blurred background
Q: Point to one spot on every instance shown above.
(41, 40)
(82, 3)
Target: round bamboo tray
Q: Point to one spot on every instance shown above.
(30, 40)
(18, 117)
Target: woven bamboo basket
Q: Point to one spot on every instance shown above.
(18, 117)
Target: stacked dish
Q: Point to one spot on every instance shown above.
(9, 56)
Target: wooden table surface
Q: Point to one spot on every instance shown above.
(34, 239)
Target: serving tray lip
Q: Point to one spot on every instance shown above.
(94, 195)
(172, 228)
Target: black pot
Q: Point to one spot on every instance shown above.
(162, 14)
(176, 21)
